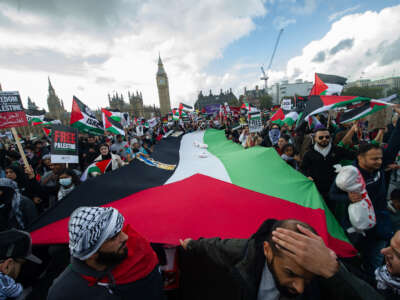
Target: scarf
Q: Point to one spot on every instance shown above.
(64, 192)
(323, 151)
(274, 135)
(90, 227)
(386, 281)
(140, 262)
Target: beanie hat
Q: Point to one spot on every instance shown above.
(90, 227)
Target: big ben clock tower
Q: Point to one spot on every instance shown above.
(163, 89)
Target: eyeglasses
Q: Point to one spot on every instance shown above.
(327, 137)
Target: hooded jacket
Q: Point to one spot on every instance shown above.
(16, 211)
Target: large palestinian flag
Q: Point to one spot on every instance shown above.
(325, 84)
(84, 119)
(223, 191)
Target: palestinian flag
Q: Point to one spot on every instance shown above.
(211, 197)
(84, 119)
(183, 106)
(248, 107)
(110, 124)
(282, 117)
(278, 117)
(34, 116)
(318, 104)
(96, 168)
(49, 122)
(47, 131)
(117, 116)
(365, 109)
(291, 118)
(327, 85)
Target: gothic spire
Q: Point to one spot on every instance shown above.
(161, 70)
(51, 89)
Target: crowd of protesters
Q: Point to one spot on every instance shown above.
(109, 260)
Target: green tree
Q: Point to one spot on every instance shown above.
(370, 92)
(266, 102)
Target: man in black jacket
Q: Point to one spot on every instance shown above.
(281, 259)
(318, 161)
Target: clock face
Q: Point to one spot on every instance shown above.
(161, 81)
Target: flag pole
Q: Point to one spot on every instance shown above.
(20, 149)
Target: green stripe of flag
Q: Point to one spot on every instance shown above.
(261, 169)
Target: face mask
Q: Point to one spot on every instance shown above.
(65, 181)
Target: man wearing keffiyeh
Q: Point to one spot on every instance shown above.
(388, 276)
(109, 260)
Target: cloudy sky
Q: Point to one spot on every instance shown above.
(90, 48)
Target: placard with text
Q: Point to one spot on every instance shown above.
(12, 113)
(64, 145)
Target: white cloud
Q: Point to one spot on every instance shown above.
(341, 13)
(283, 22)
(115, 45)
(357, 43)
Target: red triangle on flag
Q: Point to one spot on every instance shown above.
(103, 164)
(318, 87)
(279, 115)
(76, 114)
(106, 112)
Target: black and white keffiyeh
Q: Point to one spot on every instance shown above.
(90, 227)
(385, 281)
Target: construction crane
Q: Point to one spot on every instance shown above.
(265, 75)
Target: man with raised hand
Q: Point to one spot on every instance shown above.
(280, 260)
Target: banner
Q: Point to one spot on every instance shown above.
(64, 145)
(255, 124)
(286, 104)
(212, 108)
(12, 113)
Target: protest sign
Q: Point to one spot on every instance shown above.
(64, 145)
(286, 104)
(255, 124)
(12, 113)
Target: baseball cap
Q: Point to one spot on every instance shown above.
(17, 244)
